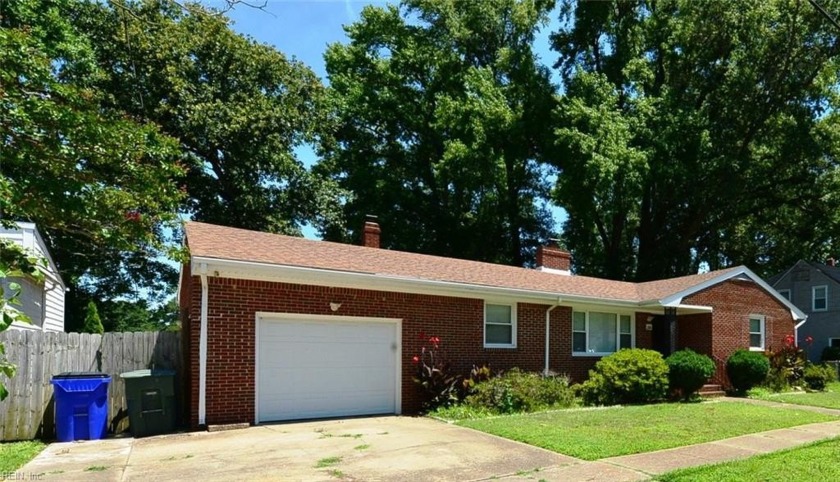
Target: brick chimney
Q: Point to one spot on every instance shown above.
(370, 234)
(551, 258)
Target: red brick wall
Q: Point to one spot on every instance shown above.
(644, 338)
(695, 332)
(733, 301)
(457, 321)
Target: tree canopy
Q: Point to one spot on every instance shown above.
(675, 134)
(117, 119)
(103, 188)
(440, 109)
(697, 132)
(239, 109)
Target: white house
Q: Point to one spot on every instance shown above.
(42, 302)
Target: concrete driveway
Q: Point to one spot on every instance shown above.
(369, 449)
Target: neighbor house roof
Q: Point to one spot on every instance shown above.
(832, 272)
(209, 242)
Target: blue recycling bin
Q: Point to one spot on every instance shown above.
(81, 405)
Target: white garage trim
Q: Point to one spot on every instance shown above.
(303, 317)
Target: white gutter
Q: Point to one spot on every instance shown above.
(548, 334)
(202, 349)
(796, 329)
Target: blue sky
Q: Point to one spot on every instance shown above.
(302, 29)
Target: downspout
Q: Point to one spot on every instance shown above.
(202, 349)
(548, 335)
(796, 329)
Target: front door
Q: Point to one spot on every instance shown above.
(661, 335)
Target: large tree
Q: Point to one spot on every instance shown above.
(238, 108)
(442, 108)
(101, 186)
(697, 132)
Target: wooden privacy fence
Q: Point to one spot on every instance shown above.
(29, 411)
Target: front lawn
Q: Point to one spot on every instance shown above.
(817, 461)
(827, 399)
(13, 455)
(598, 433)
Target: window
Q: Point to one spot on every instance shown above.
(499, 326)
(596, 333)
(819, 298)
(785, 294)
(834, 342)
(756, 332)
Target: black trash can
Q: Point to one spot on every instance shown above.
(81, 405)
(151, 401)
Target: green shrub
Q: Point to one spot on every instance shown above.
(627, 376)
(688, 371)
(831, 353)
(518, 391)
(747, 369)
(818, 376)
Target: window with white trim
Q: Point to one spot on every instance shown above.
(834, 342)
(757, 332)
(819, 298)
(597, 333)
(785, 294)
(499, 325)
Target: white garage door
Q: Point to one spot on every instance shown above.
(326, 367)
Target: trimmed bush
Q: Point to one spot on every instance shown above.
(747, 369)
(831, 353)
(626, 377)
(517, 391)
(688, 371)
(818, 376)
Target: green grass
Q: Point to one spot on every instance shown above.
(817, 461)
(326, 462)
(827, 399)
(600, 433)
(13, 455)
(96, 468)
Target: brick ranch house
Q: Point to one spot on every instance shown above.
(282, 328)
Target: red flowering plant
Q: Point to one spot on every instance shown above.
(440, 385)
(787, 365)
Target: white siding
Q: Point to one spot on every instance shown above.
(32, 300)
(44, 304)
(53, 306)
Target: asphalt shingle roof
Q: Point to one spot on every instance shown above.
(220, 242)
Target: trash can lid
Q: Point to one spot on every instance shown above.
(81, 375)
(148, 373)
